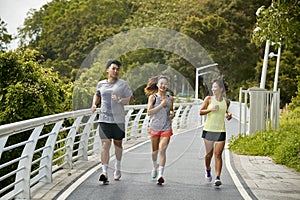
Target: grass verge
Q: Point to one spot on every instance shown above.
(282, 145)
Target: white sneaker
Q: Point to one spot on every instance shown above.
(218, 182)
(117, 175)
(208, 176)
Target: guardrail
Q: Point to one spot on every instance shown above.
(33, 150)
(259, 110)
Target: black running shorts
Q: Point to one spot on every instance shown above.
(111, 131)
(214, 136)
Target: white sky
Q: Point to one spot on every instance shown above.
(14, 12)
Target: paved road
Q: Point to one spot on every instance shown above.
(184, 174)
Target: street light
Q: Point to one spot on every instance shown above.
(271, 55)
(197, 75)
(265, 65)
(275, 114)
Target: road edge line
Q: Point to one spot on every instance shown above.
(64, 195)
(234, 177)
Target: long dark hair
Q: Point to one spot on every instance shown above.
(151, 87)
(221, 84)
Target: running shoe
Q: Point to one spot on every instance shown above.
(218, 181)
(117, 175)
(208, 175)
(103, 178)
(154, 173)
(160, 180)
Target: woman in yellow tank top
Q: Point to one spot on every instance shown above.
(214, 133)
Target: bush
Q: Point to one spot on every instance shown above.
(282, 145)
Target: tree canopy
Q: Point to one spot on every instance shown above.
(66, 33)
(28, 90)
(5, 38)
(278, 22)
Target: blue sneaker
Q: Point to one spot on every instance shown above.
(218, 181)
(208, 175)
(154, 173)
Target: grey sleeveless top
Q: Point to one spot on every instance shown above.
(161, 121)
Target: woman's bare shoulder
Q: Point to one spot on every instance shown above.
(207, 98)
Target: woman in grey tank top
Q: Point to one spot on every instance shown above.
(160, 110)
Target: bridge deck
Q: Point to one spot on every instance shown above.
(184, 174)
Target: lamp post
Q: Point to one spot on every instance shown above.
(271, 55)
(197, 75)
(265, 65)
(175, 85)
(274, 112)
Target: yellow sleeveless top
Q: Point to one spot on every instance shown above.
(215, 120)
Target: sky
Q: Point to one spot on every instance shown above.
(14, 12)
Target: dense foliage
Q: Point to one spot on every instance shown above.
(5, 38)
(66, 32)
(278, 22)
(27, 89)
(296, 99)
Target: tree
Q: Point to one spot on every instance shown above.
(278, 23)
(66, 31)
(5, 38)
(296, 99)
(28, 90)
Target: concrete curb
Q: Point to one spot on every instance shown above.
(266, 179)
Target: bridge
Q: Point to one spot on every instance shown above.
(58, 157)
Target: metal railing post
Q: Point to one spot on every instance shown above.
(70, 143)
(84, 139)
(183, 117)
(2, 144)
(145, 125)
(47, 155)
(24, 167)
(135, 126)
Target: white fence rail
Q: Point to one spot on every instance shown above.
(259, 110)
(47, 144)
(50, 143)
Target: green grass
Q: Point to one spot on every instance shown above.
(282, 145)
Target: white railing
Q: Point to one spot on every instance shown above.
(48, 144)
(259, 110)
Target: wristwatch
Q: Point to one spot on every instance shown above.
(119, 100)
